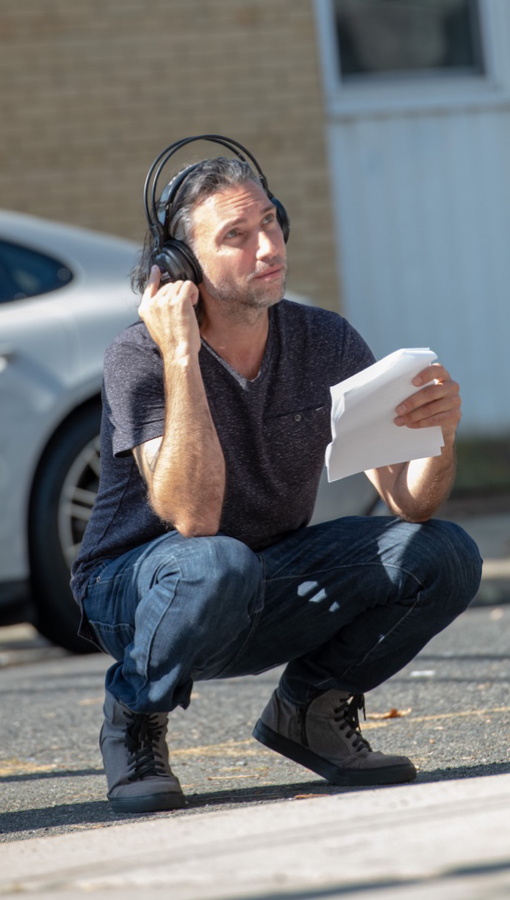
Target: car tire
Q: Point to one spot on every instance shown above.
(64, 490)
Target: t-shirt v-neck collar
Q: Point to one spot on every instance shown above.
(247, 383)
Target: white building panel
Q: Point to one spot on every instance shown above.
(422, 202)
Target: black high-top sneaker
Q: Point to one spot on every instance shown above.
(325, 736)
(135, 756)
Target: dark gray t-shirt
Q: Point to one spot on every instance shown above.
(273, 431)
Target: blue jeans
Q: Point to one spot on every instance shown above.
(346, 604)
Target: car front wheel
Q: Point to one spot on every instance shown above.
(64, 493)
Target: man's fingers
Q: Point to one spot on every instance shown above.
(157, 295)
(438, 403)
(188, 291)
(435, 371)
(151, 289)
(430, 393)
(168, 292)
(445, 411)
(435, 405)
(153, 282)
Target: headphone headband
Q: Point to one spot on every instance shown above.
(161, 161)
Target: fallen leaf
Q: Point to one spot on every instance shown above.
(391, 713)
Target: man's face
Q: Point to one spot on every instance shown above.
(240, 246)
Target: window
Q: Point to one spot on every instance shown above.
(27, 273)
(391, 39)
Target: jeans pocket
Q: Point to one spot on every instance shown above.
(99, 609)
(113, 639)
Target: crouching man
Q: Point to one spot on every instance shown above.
(197, 562)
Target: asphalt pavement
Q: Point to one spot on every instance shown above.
(257, 825)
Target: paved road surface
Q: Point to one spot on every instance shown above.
(454, 721)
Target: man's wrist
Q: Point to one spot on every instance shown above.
(182, 360)
(449, 441)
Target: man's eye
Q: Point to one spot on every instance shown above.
(269, 218)
(232, 233)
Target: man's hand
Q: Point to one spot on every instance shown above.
(438, 403)
(170, 317)
(414, 490)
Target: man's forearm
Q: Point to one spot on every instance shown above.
(188, 474)
(422, 485)
(185, 470)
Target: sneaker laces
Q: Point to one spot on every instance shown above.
(347, 718)
(143, 734)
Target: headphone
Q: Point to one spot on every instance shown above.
(174, 258)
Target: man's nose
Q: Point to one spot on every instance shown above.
(267, 245)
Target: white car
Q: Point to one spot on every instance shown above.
(64, 295)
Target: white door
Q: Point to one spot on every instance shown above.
(418, 102)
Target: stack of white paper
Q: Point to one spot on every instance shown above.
(363, 412)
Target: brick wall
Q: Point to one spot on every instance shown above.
(90, 92)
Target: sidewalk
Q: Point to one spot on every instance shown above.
(439, 840)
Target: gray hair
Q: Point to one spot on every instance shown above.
(208, 177)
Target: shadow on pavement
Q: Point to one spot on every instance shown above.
(306, 790)
(458, 772)
(60, 817)
(51, 773)
(65, 816)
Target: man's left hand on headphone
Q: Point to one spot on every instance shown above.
(168, 312)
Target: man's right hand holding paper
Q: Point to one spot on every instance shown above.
(414, 490)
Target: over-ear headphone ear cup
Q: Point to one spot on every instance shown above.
(178, 263)
(283, 219)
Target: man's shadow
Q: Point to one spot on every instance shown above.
(45, 819)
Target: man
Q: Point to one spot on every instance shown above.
(197, 564)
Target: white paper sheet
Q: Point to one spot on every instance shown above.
(362, 413)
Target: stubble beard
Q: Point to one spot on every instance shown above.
(237, 299)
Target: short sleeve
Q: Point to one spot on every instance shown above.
(356, 354)
(133, 392)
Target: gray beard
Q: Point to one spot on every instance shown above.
(254, 296)
(250, 298)
(247, 307)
